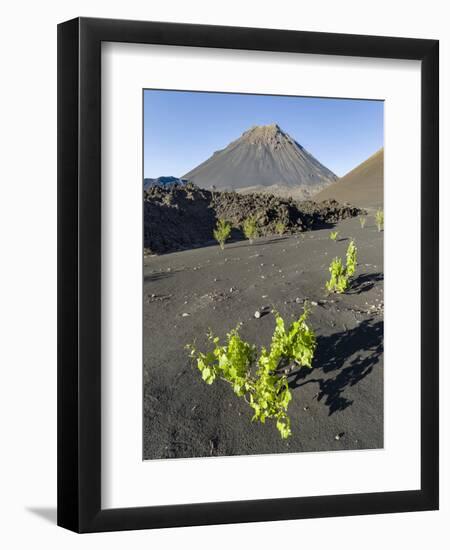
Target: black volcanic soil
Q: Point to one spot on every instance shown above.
(337, 405)
(181, 217)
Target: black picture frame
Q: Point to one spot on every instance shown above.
(79, 274)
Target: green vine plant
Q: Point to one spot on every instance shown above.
(340, 274)
(362, 221)
(260, 380)
(250, 229)
(338, 281)
(334, 235)
(379, 218)
(280, 228)
(222, 232)
(351, 259)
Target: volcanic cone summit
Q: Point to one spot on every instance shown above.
(263, 159)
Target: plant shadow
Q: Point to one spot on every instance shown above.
(352, 353)
(364, 282)
(265, 241)
(151, 277)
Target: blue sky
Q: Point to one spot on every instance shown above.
(182, 129)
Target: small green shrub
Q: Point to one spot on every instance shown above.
(258, 379)
(280, 227)
(250, 229)
(222, 232)
(379, 218)
(362, 221)
(334, 235)
(350, 259)
(340, 274)
(338, 281)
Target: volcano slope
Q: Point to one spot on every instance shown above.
(264, 159)
(362, 186)
(337, 405)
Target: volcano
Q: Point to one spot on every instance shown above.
(264, 159)
(362, 186)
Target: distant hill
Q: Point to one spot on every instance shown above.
(363, 186)
(264, 159)
(163, 181)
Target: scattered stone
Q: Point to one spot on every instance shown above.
(158, 298)
(298, 300)
(257, 314)
(305, 408)
(185, 315)
(314, 303)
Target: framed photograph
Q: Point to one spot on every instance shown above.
(248, 275)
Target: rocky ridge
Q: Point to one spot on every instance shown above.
(184, 216)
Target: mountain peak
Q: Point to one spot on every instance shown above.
(263, 159)
(259, 134)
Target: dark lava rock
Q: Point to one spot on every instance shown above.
(184, 216)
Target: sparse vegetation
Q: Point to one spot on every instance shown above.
(280, 228)
(334, 235)
(379, 218)
(260, 381)
(340, 275)
(250, 229)
(339, 280)
(350, 259)
(362, 221)
(222, 232)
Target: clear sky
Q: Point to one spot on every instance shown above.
(183, 129)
